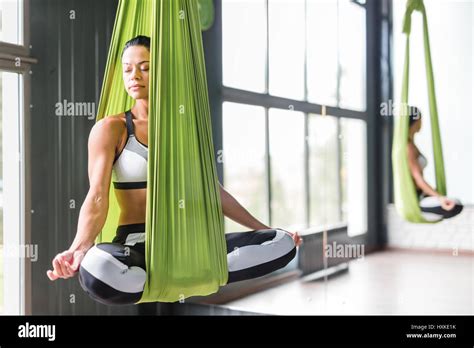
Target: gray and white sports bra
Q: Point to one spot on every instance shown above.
(422, 161)
(130, 166)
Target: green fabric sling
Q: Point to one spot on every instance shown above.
(406, 200)
(185, 244)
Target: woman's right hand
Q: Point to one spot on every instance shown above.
(66, 264)
(446, 203)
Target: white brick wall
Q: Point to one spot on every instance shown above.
(457, 232)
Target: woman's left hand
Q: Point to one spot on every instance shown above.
(296, 237)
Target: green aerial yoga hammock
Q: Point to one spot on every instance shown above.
(185, 243)
(406, 200)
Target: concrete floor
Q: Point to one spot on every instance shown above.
(388, 282)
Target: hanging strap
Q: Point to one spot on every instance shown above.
(406, 200)
(185, 246)
(129, 122)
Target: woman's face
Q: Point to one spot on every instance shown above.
(135, 68)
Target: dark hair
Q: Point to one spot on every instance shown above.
(139, 40)
(414, 114)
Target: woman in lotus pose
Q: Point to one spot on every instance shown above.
(115, 273)
(431, 201)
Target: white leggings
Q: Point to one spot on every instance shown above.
(115, 273)
(432, 205)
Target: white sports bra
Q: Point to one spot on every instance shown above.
(422, 161)
(130, 166)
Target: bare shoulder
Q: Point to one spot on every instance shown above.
(412, 155)
(109, 129)
(412, 150)
(111, 123)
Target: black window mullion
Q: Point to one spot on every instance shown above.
(269, 101)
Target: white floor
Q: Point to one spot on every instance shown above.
(388, 282)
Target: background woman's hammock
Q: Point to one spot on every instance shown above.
(406, 200)
(185, 244)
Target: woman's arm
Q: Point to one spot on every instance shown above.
(417, 173)
(93, 213)
(233, 210)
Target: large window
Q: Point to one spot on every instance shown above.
(244, 44)
(353, 135)
(286, 131)
(13, 250)
(11, 202)
(283, 62)
(324, 205)
(352, 48)
(286, 48)
(244, 158)
(11, 23)
(322, 51)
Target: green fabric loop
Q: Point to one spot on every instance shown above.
(185, 243)
(406, 200)
(412, 5)
(206, 14)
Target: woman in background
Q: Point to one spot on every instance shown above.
(431, 201)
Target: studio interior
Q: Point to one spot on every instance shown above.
(236, 157)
